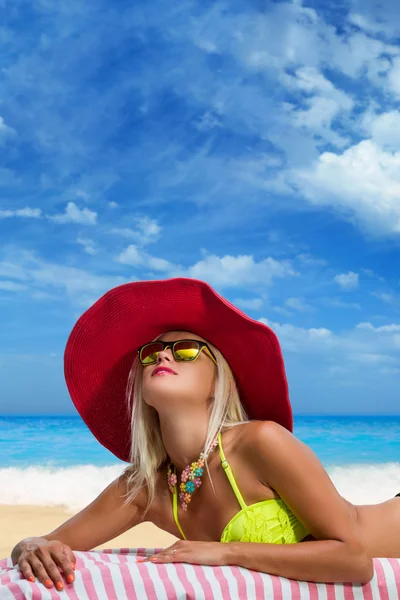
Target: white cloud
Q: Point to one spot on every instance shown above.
(239, 271)
(226, 271)
(336, 350)
(312, 261)
(366, 24)
(82, 194)
(6, 132)
(363, 184)
(299, 339)
(249, 303)
(382, 329)
(373, 275)
(394, 76)
(73, 214)
(298, 304)
(348, 281)
(149, 228)
(208, 121)
(112, 204)
(385, 297)
(384, 128)
(339, 303)
(147, 231)
(358, 54)
(322, 102)
(82, 287)
(30, 213)
(11, 286)
(88, 245)
(371, 358)
(282, 311)
(134, 256)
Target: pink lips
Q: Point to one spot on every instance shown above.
(163, 370)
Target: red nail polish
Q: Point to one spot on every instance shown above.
(48, 583)
(70, 578)
(59, 586)
(31, 578)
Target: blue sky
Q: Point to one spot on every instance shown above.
(253, 145)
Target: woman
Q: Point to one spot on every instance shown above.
(207, 432)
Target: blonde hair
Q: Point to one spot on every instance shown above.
(147, 452)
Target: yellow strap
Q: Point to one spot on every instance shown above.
(175, 510)
(229, 474)
(232, 481)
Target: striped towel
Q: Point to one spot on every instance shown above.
(115, 574)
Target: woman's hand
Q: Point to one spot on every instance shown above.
(41, 558)
(196, 553)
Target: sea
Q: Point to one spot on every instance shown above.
(56, 461)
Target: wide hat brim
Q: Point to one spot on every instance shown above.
(104, 342)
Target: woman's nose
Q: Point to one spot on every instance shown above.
(167, 354)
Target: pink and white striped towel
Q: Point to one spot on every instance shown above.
(115, 574)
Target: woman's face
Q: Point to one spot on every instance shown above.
(191, 382)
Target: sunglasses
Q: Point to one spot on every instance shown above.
(182, 351)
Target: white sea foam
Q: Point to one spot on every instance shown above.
(71, 487)
(76, 487)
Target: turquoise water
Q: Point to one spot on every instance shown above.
(66, 441)
(57, 461)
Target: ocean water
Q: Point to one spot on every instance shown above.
(56, 460)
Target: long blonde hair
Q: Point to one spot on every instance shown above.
(147, 452)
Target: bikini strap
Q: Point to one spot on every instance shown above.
(175, 509)
(229, 474)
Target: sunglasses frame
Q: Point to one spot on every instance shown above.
(171, 344)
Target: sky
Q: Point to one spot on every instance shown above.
(254, 145)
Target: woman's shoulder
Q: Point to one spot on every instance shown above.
(251, 439)
(248, 435)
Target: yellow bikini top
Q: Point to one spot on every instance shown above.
(269, 521)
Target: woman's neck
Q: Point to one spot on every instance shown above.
(184, 435)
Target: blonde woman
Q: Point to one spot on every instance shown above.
(192, 393)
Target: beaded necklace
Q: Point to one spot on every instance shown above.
(190, 477)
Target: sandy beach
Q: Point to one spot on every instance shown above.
(18, 522)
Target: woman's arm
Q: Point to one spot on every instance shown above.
(322, 561)
(102, 520)
(105, 518)
(291, 468)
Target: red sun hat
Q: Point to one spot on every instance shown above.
(104, 342)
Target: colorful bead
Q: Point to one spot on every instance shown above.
(190, 477)
(190, 487)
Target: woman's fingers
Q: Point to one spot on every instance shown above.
(70, 555)
(26, 570)
(41, 559)
(66, 561)
(45, 570)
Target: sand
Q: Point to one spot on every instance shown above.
(18, 522)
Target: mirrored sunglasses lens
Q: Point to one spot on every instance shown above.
(149, 353)
(186, 350)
